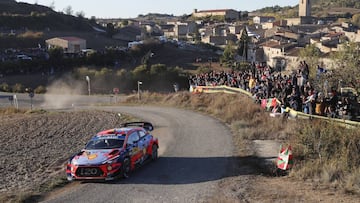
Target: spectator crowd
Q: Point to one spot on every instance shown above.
(293, 90)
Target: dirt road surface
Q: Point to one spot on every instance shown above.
(195, 151)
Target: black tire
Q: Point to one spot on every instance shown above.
(154, 153)
(126, 169)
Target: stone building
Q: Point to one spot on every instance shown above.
(304, 8)
(70, 45)
(228, 14)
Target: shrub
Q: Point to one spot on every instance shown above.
(352, 182)
(18, 88)
(5, 87)
(40, 90)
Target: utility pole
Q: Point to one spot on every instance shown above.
(139, 83)
(88, 81)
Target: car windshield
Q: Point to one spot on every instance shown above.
(104, 144)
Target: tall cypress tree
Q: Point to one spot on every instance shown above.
(244, 44)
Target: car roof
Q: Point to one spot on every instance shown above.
(108, 136)
(118, 131)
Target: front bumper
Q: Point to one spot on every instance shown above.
(98, 172)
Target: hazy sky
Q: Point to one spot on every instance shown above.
(132, 8)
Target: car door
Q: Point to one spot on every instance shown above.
(133, 145)
(144, 143)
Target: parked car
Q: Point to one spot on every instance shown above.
(23, 57)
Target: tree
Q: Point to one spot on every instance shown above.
(145, 60)
(68, 10)
(228, 56)
(93, 20)
(110, 29)
(356, 19)
(244, 14)
(347, 62)
(157, 69)
(140, 73)
(244, 44)
(125, 22)
(56, 55)
(311, 54)
(52, 5)
(80, 14)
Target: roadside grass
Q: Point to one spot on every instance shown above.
(324, 152)
(56, 182)
(352, 182)
(328, 154)
(11, 110)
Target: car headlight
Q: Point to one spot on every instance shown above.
(109, 167)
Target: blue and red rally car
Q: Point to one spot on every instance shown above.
(114, 153)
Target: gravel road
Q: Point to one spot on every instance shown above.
(195, 151)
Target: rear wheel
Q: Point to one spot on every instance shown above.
(154, 154)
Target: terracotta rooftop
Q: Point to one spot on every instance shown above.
(337, 34)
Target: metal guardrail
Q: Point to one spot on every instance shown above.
(12, 99)
(291, 112)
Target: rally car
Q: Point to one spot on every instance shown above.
(114, 153)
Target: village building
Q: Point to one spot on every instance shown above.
(228, 14)
(263, 19)
(70, 45)
(179, 30)
(304, 14)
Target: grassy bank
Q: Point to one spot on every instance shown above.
(324, 152)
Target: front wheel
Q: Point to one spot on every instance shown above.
(154, 154)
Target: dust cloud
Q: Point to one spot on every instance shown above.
(64, 93)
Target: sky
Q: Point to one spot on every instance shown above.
(132, 8)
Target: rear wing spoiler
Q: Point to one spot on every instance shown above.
(146, 125)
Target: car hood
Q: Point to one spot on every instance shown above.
(93, 157)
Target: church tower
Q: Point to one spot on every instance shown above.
(304, 8)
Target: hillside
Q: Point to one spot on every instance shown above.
(319, 8)
(12, 7)
(18, 15)
(326, 4)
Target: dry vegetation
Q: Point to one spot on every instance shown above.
(325, 153)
